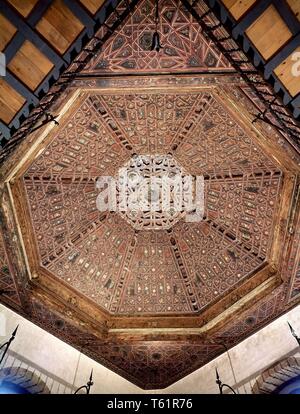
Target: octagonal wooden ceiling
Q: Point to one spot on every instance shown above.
(152, 305)
(180, 270)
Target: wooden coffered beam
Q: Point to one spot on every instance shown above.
(38, 25)
(245, 19)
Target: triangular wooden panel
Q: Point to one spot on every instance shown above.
(184, 46)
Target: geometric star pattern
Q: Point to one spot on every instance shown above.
(184, 46)
(177, 271)
(87, 277)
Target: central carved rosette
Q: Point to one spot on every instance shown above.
(154, 192)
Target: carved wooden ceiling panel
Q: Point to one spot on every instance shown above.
(88, 142)
(184, 46)
(8, 288)
(153, 305)
(183, 268)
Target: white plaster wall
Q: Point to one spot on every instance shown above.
(249, 358)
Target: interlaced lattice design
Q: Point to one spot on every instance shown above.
(274, 110)
(8, 290)
(211, 261)
(215, 144)
(243, 207)
(38, 116)
(150, 122)
(147, 364)
(293, 266)
(111, 259)
(296, 286)
(86, 146)
(155, 284)
(253, 318)
(184, 47)
(183, 276)
(145, 184)
(98, 265)
(61, 211)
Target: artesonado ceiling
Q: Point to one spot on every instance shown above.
(152, 304)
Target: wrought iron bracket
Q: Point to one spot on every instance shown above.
(6, 345)
(221, 385)
(294, 334)
(86, 387)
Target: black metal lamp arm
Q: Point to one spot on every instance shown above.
(6, 345)
(88, 386)
(294, 333)
(221, 385)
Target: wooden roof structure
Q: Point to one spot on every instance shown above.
(153, 305)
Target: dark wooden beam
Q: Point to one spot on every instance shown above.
(288, 16)
(285, 52)
(20, 88)
(18, 40)
(252, 53)
(38, 11)
(13, 46)
(250, 17)
(26, 30)
(106, 9)
(60, 63)
(5, 131)
(295, 103)
(79, 11)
